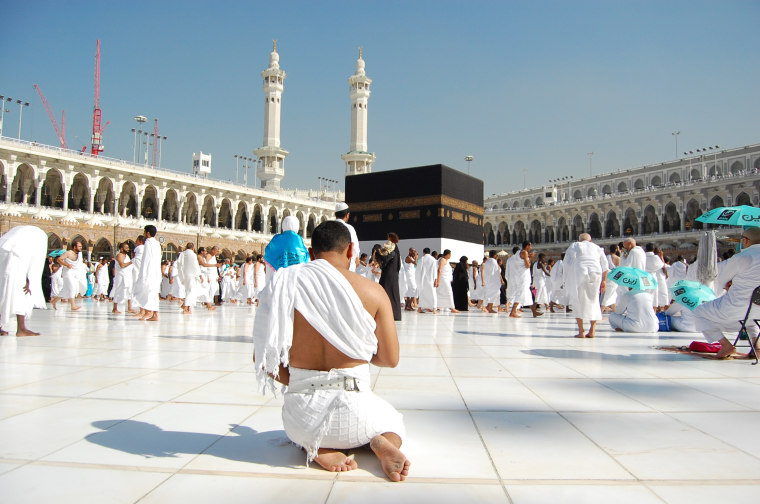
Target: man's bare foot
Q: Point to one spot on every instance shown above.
(25, 332)
(75, 308)
(591, 334)
(454, 310)
(3, 333)
(153, 318)
(116, 312)
(133, 311)
(335, 461)
(53, 303)
(395, 464)
(210, 308)
(537, 313)
(579, 335)
(726, 351)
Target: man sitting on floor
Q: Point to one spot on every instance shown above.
(739, 275)
(316, 330)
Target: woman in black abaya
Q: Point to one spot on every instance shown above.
(389, 259)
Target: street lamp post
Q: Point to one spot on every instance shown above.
(2, 112)
(469, 161)
(160, 142)
(136, 154)
(21, 105)
(675, 134)
(146, 143)
(237, 161)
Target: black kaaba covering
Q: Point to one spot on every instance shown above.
(432, 201)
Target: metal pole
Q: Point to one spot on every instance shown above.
(2, 113)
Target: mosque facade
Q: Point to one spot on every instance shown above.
(654, 203)
(103, 202)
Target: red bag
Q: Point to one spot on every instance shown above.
(703, 347)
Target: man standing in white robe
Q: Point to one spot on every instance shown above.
(521, 279)
(102, 279)
(123, 280)
(74, 267)
(427, 271)
(212, 274)
(585, 270)
(316, 331)
(22, 257)
(491, 283)
(148, 283)
(739, 275)
(342, 213)
(444, 276)
(136, 262)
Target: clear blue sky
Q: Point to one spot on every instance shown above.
(518, 85)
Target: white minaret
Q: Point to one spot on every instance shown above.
(271, 157)
(358, 160)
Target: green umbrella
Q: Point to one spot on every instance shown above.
(743, 215)
(634, 278)
(691, 294)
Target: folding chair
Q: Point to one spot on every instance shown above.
(743, 335)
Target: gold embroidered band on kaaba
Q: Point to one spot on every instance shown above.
(436, 199)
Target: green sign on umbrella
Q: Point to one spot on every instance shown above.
(743, 215)
(691, 294)
(634, 278)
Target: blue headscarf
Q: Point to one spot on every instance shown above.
(286, 249)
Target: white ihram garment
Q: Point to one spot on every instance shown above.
(121, 291)
(148, 286)
(444, 293)
(541, 285)
(583, 267)
(355, 252)
(634, 313)
(558, 294)
(723, 314)
(22, 257)
(212, 275)
(610, 295)
(74, 278)
(176, 288)
(411, 279)
(56, 283)
(427, 270)
(518, 283)
(333, 418)
(102, 280)
(259, 279)
(189, 272)
(473, 281)
(654, 266)
(492, 278)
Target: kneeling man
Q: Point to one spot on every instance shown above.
(317, 328)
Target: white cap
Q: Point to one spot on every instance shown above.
(339, 207)
(290, 223)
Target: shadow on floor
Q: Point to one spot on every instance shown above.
(200, 337)
(241, 444)
(559, 353)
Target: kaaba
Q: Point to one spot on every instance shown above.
(426, 206)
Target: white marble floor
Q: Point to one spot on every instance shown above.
(105, 409)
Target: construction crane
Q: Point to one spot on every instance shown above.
(59, 131)
(97, 130)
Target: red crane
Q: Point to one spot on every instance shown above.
(97, 130)
(60, 132)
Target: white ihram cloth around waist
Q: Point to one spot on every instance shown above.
(334, 417)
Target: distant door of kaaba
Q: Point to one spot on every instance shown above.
(427, 206)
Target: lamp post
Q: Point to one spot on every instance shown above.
(675, 134)
(135, 154)
(469, 161)
(146, 143)
(160, 141)
(21, 105)
(2, 112)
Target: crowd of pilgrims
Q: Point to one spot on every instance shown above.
(427, 284)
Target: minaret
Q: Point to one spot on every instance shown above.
(271, 157)
(358, 160)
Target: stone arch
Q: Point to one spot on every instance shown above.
(190, 209)
(241, 256)
(716, 202)
(272, 221)
(504, 232)
(692, 212)
(323, 219)
(578, 227)
(170, 252)
(301, 223)
(650, 222)
(170, 207)
(535, 234)
(638, 184)
(526, 203)
(757, 164)
(208, 212)
(656, 181)
(257, 224)
(563, 232)
(549, 234)
(591, 192)
(577, 194)
(607, 189)
(23, 188)
(286, 213)
(611, 225)
(630, 223)
(225, 214)
(675, 178)
(54, 242)
(505, 206)
(3, 182)
(52, 189)
(695, 174)
(128, 200)
(743, 199)
(79, 194)
(736, 167)
(595, 226)
(310, 225)
(519, 233)
(671, 220)
(241, 218)
(488, 236)
(515, 205)
(713, 171)
(102, 249)
(105, 201)
(149, 203)
(622, 187)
